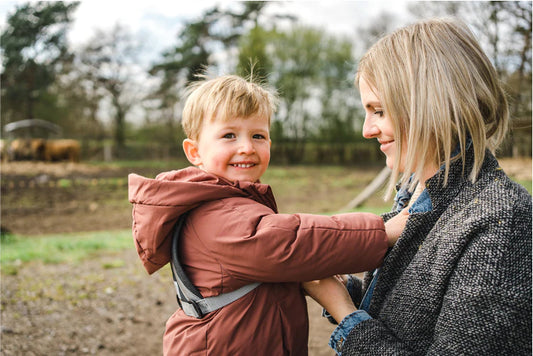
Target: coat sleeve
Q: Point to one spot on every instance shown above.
(486, 309)
(268, 247)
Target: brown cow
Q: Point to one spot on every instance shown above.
(39, 149)
(25, 149)
(59, 150)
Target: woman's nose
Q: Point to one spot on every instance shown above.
(370, 129)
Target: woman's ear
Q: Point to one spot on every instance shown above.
(190, 147)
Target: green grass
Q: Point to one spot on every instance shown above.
(17, 249)
(373, 209)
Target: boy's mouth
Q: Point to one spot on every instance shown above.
(243, 165)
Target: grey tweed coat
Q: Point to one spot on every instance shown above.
(458, 282)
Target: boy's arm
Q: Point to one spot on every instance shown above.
(295, 247)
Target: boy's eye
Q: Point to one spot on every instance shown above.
(259, 137)
(229, 135)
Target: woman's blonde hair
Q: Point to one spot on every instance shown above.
(440, 90)
(225, 98)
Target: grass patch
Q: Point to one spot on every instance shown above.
(74, 247)
(114, 264)
(64, 183)
(378, 210)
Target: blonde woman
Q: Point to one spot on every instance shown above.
(458, 281)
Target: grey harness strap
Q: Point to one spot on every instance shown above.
(189, 298)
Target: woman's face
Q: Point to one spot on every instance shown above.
(378, 123)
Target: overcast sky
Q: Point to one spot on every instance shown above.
(157, 22)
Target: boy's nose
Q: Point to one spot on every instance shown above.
(246, 146)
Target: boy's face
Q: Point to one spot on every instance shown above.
(238, 149)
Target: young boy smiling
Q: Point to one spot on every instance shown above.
(233, 235)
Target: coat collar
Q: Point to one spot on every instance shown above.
(458, 177)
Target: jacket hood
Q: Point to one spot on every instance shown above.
(186, 188)
(158, 203)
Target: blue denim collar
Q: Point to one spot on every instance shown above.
(421, 205)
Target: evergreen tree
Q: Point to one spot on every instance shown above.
(33, 48)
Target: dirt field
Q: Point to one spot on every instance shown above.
(108, 305)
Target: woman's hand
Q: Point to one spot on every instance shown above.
(394, 226)
(332, 295)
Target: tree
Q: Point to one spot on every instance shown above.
(179, 66)
(79, 101)
(384, 23)
(254, 60)
(216, 31)
(514, 67)
(109, 62)
(422, 9)
(34, 48)
(252, 51)
(313, 72)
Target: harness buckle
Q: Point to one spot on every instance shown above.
(190, 308)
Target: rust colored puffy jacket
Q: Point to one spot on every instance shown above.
(234, 236)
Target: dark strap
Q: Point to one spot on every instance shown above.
(177, 270)
(189, 298)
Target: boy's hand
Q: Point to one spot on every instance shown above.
(394, 227)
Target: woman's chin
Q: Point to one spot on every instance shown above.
(390, 162)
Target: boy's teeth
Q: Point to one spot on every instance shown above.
(243, 165)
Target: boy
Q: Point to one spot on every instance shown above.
(233, 236)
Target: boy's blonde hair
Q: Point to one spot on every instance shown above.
(225, 98)
(440, 90)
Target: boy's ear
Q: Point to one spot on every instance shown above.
(190, 147)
